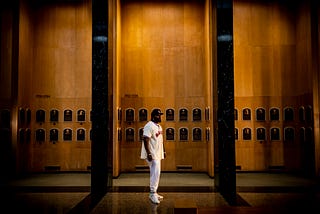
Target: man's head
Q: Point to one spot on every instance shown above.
(156, 115)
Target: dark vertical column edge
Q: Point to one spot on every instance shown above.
(101, 162)
(225, 167)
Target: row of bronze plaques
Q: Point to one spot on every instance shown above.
(304, 114)
(304, 134)
(25, 116)
(169, 114)
(197, 134)
(54, 115)
(40, 135)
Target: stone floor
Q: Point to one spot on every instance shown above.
(183, 193)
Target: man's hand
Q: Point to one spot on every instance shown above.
(149, 157)
(165, 154)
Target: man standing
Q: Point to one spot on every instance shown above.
(153, 152)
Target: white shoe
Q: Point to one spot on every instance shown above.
(154, 198)
(160, 197)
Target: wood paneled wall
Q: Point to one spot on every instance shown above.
(164, 63)
(55, 73)
(272, 58)
(162, 58)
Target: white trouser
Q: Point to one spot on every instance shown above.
(155, 167)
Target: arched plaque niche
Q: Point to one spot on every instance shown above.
(54, 115)
(183, 134)
(130, 134)
(183, 114)
(196, 134)
(246, 134)
(196, 114)
(81, 134)
(54, 135)
(40, 135)
(274, 114)
(129, 114)
(261, 134)
(40, 116)
(170, 114)
(170, 133)
(81, 115)
(67, 115)
(67, 134)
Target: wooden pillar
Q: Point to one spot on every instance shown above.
(225, 173)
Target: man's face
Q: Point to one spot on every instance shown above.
(157, 118)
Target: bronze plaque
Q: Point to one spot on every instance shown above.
(261, 114)
(40, 116)
(129, 134)
(170, 134)
(246, 114)
(67, 135)
(288, 114)
(67, 115)
(119, 134)
(196, 134)
(81, 135)
(28, 113)
(21, 136)
(246, 134)
(235, 114)
(22, 116)
(207, 134)
(170, 114)
(261, 134)
(119, 114)
(129, 115)
(274, 114)
(288, 134)
(275, 134)
(309, 114)
(196, 114)
(207, 113)
(183, 133)
(143, 114)
(183, 114)
(54, 115)
(40, 135)
(81, 115)
(54, 133)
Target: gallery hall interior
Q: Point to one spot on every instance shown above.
(238, 82)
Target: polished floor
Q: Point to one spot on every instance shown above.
(183, 193)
